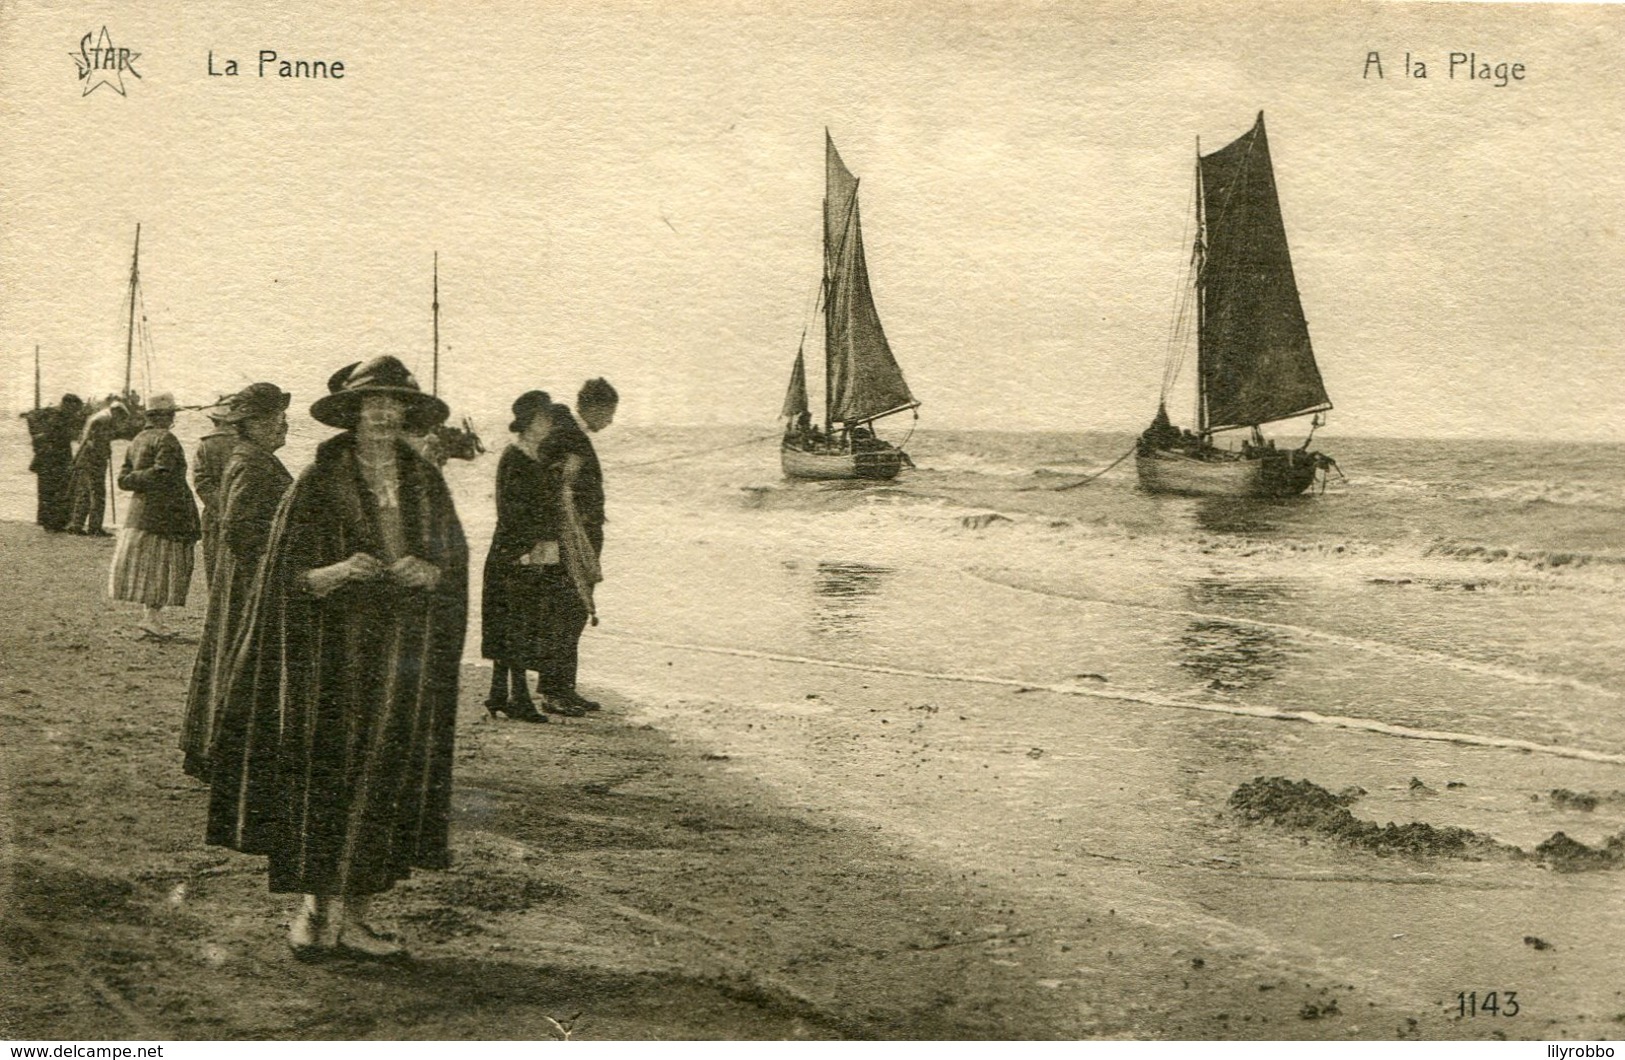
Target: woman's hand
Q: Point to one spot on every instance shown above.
(361, 567)
(415, 573)
(543, 554)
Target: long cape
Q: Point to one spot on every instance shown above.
(334, 746)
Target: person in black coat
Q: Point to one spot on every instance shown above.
(333, 745)
(250, 488)
(513, 608)
(52, 431)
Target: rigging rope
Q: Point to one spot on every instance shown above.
(1087, 478)
(697, 452)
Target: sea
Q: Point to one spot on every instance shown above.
(1017, 665)
(1474, 587)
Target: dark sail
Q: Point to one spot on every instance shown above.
(863, 379)
(1256, 363)
(795, 398)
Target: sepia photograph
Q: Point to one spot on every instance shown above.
(653, 521)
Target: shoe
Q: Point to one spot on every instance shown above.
(97, 533)
(572, 696)
(303, 938)
(555, 703)
(360, 941)
(525, 710)
(496, 708)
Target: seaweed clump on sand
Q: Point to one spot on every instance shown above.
(1306, 806)
(1573, 800)
(1571, 855)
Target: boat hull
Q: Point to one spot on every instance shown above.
(1273, 474)
(880, 463)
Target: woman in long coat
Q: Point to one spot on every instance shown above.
(333, 750)
(152, 564)
(251, 485)
(513, 601)
(208, 469)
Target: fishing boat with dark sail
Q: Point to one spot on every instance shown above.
(1254, 361)
(862, 382)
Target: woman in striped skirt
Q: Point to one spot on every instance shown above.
(152, 564)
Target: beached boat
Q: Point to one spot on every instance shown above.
(445, 442)
(1254, 361)
(862, 382)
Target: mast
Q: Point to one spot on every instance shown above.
(129, 339)
(1201, 299)
(36, 377)
(829, 319)
(434, 387)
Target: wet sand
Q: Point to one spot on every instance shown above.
(740, 848)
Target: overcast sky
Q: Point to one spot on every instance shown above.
(634, 190)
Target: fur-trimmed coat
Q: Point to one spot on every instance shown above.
(333, 749)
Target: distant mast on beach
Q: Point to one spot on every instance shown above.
(132, 424)
(1254, 364)
(446, 442)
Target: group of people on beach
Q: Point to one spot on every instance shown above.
(323, 697)
(73, 481)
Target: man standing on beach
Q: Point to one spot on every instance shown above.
(584, 479)
(87, 488)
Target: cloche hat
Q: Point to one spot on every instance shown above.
(528, 406)
(256, 399)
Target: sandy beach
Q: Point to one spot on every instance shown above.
(659, 871)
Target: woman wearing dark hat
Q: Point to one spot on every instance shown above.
(152, 564)
(333, 748)
(524, 552)
(251, 484)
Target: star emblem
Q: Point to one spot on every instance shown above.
(104, 64)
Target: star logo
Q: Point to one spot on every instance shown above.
(102, 64)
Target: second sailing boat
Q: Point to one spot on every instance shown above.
(1254, 362)
(862, 382)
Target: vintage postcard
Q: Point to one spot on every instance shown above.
(721, 520)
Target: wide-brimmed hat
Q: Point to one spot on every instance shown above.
(528, 406)
(381, 375)
(164, 402)
(256, 399)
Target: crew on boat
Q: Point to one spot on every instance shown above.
(1162, 434)
(799, 429)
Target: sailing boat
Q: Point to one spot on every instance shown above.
(445, 441)
(862, 382)
(1254, 361)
